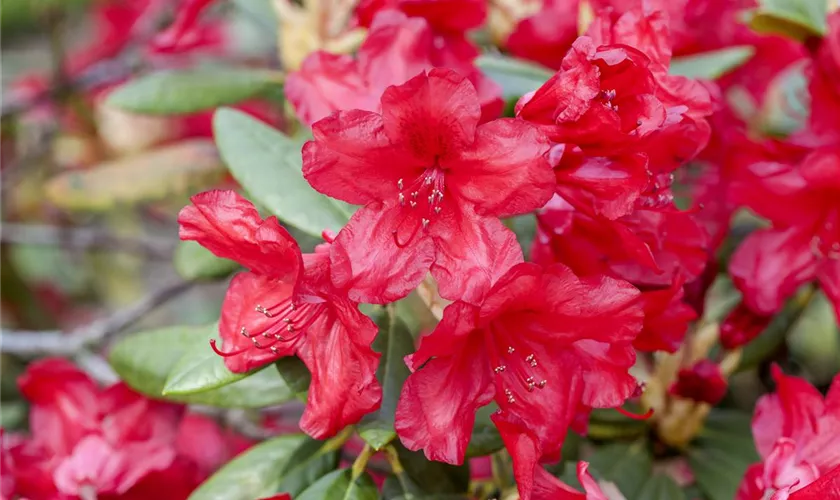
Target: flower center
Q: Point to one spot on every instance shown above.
(517, 370)
(422, 200)
(280, 323)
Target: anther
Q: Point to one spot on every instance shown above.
(510, 398)
(287, 320)
(413, 204)
(400, 183)
(425, 223)
(437, 210)
(511, 350)
(290, 328)
(402, 199)
(274, 349)
(243, 332)
(541, 383)
(499, 369)
(414, 194)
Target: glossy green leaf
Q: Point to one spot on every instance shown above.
(394, 342)
(340, 485)
(258, 472)
(485, 437)
(268, 165)
(720, 455)
(661, 487)
(515, 76)
(433, 477)
(796, 19)
(626, 465)
(145, 360)
(311, 461)
(295, 375)
(198, 370)
(711, 65)
(194, 262)
(179, 91)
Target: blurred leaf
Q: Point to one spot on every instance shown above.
(268, 165)
(720, 455)
(786, 102)
(149, 176)
(13, 414)
(626, 465)
(516, 76)
(796, 19)
(194, 262)
(711, 65)
(145, 359)
(773, 337)
(258, 472)
(814, 340)
(394, 342)
(189, 91)
(340, 485)
(311, 461)
(485, 437)
(661, 487)
(433, 477)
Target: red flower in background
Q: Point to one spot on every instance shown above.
(287, 306)
(433, 183)
(803, 245)
(546, 36)
(185, 33)
(541, 344)
(666, 319)
(396, 49)
(112, 442)
(797, 434)
(702, 382)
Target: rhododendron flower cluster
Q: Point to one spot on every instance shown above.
(564, 234)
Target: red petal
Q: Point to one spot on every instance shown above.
(666, 319)
(829, 276)
(505, 172)
(454, 16)
(436, 410)
(343, 366)
(702, 382)
(776, 191)
(326, 83)
(471, 253)
(770, 265)
(245, 293)
(351, 158)
(432, 116)
(396, 49)
(229, 226)
(546, 36)
(824, 488)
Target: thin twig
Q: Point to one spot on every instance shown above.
(84, 238)
(54, 342)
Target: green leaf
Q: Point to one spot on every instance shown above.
(144, 361)
(194, 262)
(711, 65)
(295, 375)
(394, 342)
(433, 477)
(340, 485)
(256, 473)
(485, 437)
(720, 455)
(626, 465)
(515, 76)
(796, 19)
(814, 341)
(177, 92)
(661, 487)
(786, 104)
(311, 461)
(153, 175)
(198, 370)
(268, 165)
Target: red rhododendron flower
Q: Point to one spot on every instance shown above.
(741, 326)
(803, 203)
(111, 442)
(433, 183)
(287, 306)
(546, 36)
(797, 434)
(396, 49)
(702, 382)
(541, 343)
(185, 33)
(666, 319)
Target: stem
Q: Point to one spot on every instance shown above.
(361, 461)
(394, 460)
(338, 441)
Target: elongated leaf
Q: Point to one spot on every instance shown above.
(295, 375)
(149, 176)
(661, 487)
(515, 76)
(198, 370)
(340, 485)
(720, 455)
(394, 342)
(268, 165)
(814, 340)
(626, 465)
(176, 92)
(711, 65)
(144, 361)
(796, 19)
(311, 461)
(433, 477)
(193, 262)
(256, 473)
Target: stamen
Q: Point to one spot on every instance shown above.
(223, 353)
(644, 416)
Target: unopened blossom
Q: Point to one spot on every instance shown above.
(286, 306)
(541, 344)
(703, 382)
(433, 184)
(797, 434)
